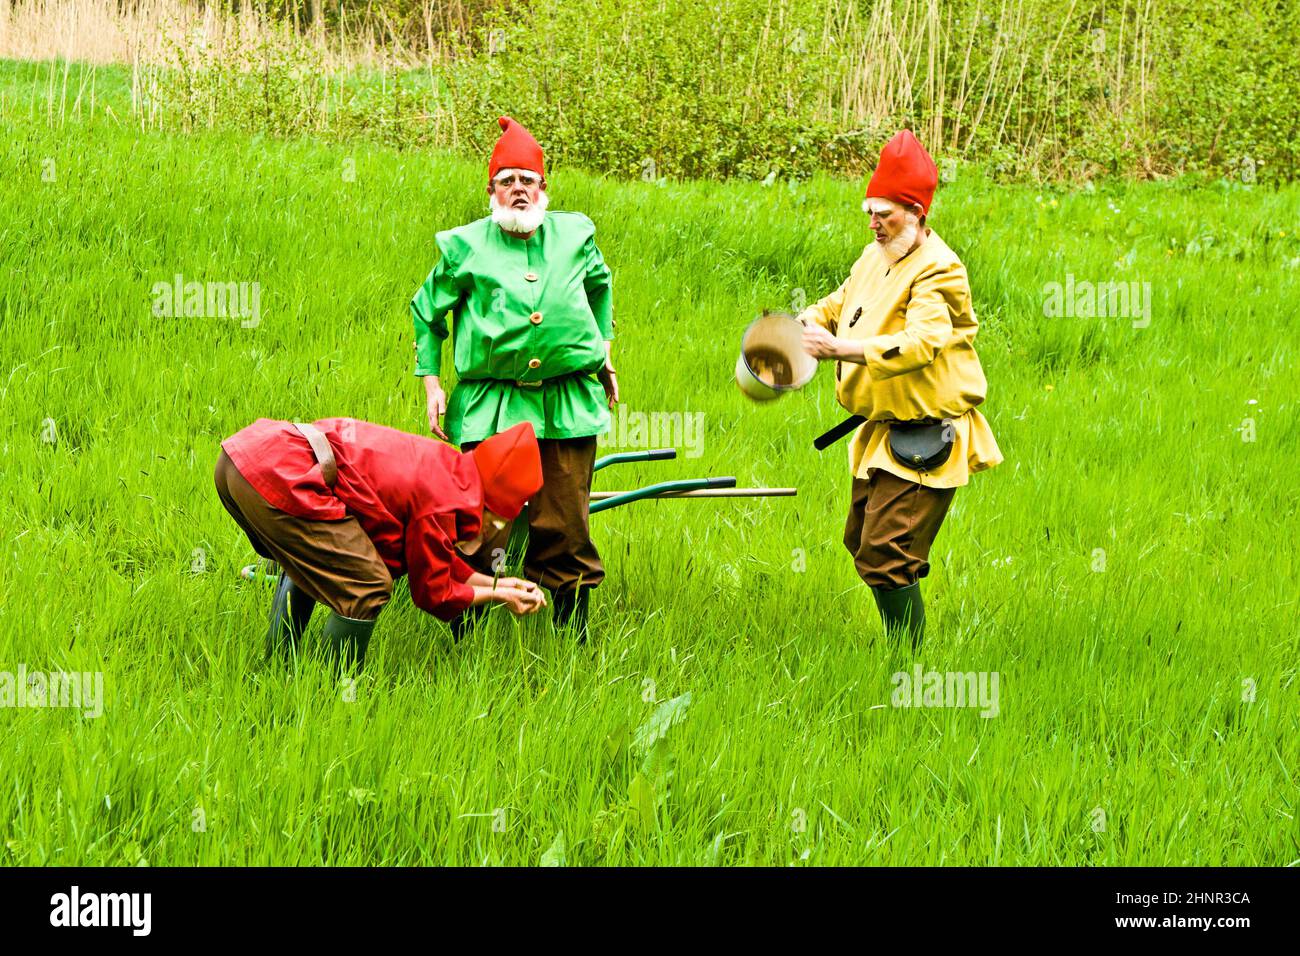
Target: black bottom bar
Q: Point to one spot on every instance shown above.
(337, 906)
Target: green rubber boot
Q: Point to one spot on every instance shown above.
(290, 611)
(345, 641)
(902, 611)
(569, 610)
(465, 622)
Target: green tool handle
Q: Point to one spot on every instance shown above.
(651, 491)
(654, 454)
(251, 573)
(710, 493)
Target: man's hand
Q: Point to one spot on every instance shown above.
(822, 346)
(819, 343)
(437, 401)
(520, 584)
(518, 595)
(519, 601)
(609, 381)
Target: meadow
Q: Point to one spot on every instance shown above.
(1129, 572)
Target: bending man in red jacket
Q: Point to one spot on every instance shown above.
(345, 507)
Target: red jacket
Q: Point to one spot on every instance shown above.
(413, 496)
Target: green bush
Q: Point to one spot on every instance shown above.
(764, 89)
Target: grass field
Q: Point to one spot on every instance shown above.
(1129, 572)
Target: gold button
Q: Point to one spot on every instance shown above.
(535, 318)
(534, 363)
(530, 276)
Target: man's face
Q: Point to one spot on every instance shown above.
(516, 188)
(896, 226)
(888, 218)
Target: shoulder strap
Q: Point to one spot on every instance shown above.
(320, 447)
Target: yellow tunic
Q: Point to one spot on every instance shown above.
(917, 328)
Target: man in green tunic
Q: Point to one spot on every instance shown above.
(532, 311)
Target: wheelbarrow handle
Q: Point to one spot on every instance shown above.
(708, 493)
(654, 454)
(663, 487)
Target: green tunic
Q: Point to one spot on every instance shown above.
(535, 311)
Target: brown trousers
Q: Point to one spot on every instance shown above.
(332, 562)
(560, 553)
(892, 523)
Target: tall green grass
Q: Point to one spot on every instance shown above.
(1129, 571)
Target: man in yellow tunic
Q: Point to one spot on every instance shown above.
(901, 331)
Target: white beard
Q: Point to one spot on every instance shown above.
(897, 247)
(519, 221)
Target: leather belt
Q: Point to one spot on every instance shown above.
(320, 447)
(520, 383)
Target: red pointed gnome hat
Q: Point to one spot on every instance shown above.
(510, 465)
(516, 149)
(906, 173)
